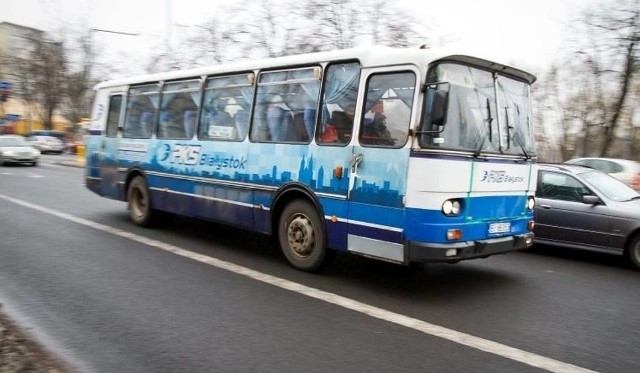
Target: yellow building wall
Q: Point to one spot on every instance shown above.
(31, 117)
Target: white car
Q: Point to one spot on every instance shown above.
(622, 169)
(15, 149)
(47, 144)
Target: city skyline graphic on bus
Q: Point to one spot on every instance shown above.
(273, 165)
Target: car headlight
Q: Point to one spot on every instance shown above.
(10, 153)
(451, 207)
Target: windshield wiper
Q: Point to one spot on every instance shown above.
(484, 138)
(515, 137)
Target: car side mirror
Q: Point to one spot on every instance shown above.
(591, 200)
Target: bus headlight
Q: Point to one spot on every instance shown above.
(531, 202)
(451, 207)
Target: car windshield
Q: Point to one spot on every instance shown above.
(13, 141)
(612, 188)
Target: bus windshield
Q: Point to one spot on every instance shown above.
(487, 112)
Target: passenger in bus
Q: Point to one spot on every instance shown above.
(375, 131)
(340, 125)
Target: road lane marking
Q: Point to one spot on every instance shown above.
(461, 338)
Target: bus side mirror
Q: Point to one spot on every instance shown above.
(438, 104)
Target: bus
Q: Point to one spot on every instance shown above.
(403, 155)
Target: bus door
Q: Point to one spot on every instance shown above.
(108, 152)
(378, 169)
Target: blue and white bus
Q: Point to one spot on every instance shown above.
(404, 155)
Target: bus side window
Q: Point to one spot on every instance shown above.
(388, 107)
(284, 102)
(338, 104)
(113, 119)
(227, 101)
(178, 108)
(140, 112)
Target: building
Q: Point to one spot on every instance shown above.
(18, 115)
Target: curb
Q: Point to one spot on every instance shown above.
(72, 164)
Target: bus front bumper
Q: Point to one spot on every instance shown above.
(455, 252)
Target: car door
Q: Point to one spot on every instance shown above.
(561, 215)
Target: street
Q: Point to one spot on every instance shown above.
(195, 296)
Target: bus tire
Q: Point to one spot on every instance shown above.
(633, 252)
(301, 236)
(139, 202)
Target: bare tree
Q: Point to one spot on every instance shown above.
(79, 78)
(257, 29)
(41, 75)
(611, 55)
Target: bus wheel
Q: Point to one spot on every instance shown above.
(301, 236)
(633, 252)
(139, 199)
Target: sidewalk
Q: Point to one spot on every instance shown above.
(20, 353)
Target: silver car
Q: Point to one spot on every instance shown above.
(15, 149)
(583, 208)
(47, 144)
(622, 169)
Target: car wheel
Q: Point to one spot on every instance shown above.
(301, 236)
(139, 199)
(633, 252)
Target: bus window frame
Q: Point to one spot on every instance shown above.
(319, 66)
(414, 110)
(203, 91)
(162, 91)
(158, 85)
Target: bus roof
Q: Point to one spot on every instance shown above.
(368, 57)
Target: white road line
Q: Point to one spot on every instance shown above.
(464, 339)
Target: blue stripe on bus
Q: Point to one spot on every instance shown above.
(478, 213)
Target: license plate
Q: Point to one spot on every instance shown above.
(499, 228)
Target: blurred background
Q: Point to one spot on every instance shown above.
(584, 52)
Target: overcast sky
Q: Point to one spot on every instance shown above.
(525, 33)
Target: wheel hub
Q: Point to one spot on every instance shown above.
(301, 236)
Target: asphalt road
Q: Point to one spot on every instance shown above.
(194, 296)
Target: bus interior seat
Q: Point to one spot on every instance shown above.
(279, 122)
(189, 121)
(342, 123)
(146, 124)
(241, 120)
(310, 121)
(299, 128)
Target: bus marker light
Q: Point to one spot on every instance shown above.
(334, 219)
(454, 234)
(337, 172)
